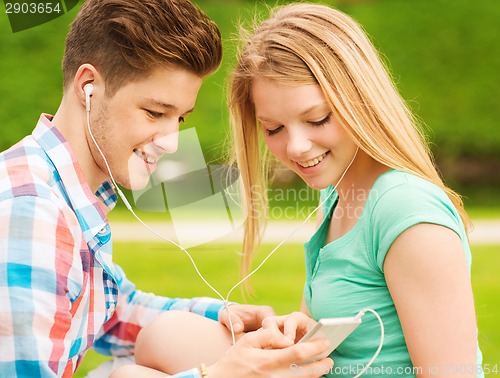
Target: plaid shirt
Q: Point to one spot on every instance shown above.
(60, 292)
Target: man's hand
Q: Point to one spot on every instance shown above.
(245, 318)
(267, 353)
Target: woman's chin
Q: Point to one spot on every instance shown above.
(316, 184)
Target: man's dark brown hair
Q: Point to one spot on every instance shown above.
(127, 39)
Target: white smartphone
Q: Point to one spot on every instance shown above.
(335, 330)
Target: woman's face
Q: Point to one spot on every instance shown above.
(301, 132)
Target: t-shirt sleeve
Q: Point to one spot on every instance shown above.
(404, 206)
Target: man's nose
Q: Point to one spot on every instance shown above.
(168, 142)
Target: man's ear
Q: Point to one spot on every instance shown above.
(86, 74)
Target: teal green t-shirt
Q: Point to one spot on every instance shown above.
(347, 275)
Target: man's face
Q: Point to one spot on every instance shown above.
(140, 123)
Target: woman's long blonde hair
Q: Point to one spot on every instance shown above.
(304, 44)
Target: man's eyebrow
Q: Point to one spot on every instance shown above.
(165, 105)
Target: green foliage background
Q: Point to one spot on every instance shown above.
(443, 54)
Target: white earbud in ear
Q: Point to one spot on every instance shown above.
(88, 89)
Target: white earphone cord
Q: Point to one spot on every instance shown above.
(381, 343)
(226, 300)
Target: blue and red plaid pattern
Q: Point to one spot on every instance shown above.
(60, 292)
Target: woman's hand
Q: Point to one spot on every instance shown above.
(293, 326)
(245, 318)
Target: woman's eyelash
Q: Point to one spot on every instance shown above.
(323, 121)
(274, 131)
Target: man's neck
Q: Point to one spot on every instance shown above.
(70, 119)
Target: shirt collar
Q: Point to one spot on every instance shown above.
(91, 209)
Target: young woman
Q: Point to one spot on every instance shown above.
(391, 235)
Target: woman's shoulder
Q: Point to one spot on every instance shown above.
(397, 195)
(399, 184)
(400, 200)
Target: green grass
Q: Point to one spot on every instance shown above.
(161, 269)
(486, 286)
(484, 213)
(121, 214)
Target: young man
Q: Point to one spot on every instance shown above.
(60, 292)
